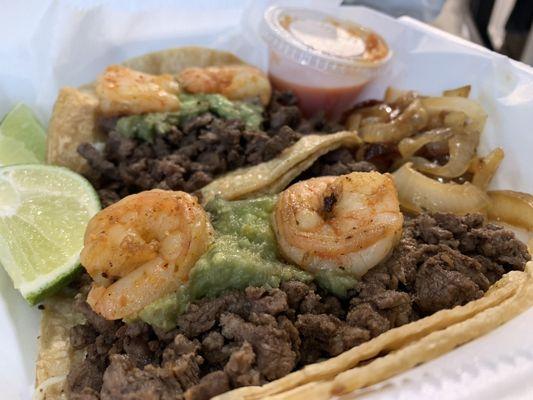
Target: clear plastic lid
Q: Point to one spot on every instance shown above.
(322, 42)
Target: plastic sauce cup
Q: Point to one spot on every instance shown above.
(324, 61)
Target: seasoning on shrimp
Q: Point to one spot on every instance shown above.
(142, 248)
(350, 222)
(236, 82)
(123, 91)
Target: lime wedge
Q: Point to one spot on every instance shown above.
(22, 138)
(43, 214)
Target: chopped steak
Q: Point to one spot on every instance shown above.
(209, 386)
(193, 152)
(365, 316)
(82, 335)
(122, 380)
(436, 276)
(257, 335)
(329, 334)
(240, 367)
(266, 301)
(271, 344)
(212, 346)
(202, 316)
(439, 285)
(136, 342)
(296, 292)
(86, 377)
(382, 155)
(86, 394)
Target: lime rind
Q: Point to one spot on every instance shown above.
(41, 231)
(34, 292)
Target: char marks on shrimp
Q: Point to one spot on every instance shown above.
(136, 240)
(348, 223)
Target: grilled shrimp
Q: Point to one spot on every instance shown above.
(141, 248)
(350, 222)
(123, 91)
(236, 82)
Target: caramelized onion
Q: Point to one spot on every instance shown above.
(485, 168)
(463, 91)
(455, 119)
(462, 147)
(379, 112)
(370, 115)
(409, 146)
(474, 111)
(514, 208)
(353, 121)
(411, 120)
(463, 143)
(418, 193)
(393, 95)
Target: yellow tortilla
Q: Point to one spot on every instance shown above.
(55, 353)
(73, 122)
(274, 175)
(74, 119)
(173, 61)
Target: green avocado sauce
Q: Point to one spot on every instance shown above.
(243, 254)
(146, 126)
(164, 312)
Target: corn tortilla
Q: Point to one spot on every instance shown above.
(73, 122)
(272, 176)
(55, 353)
(74, 117)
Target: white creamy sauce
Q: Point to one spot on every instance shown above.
(327, 38)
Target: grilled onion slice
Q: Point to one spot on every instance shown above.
(462, 147)
(409, 146)
(515, 208)
(418, 193)
(410, 121)
(463, 91)
(438, 105)
(485, 168)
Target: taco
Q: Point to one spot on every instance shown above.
(294, 272)
(74, 119)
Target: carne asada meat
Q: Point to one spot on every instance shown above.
(257, 335)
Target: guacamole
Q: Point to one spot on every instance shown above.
(164, 311)
(194, 104)
(243, 254)
(145, 126)
(336, 282)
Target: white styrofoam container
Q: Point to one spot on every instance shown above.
(69, 44)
